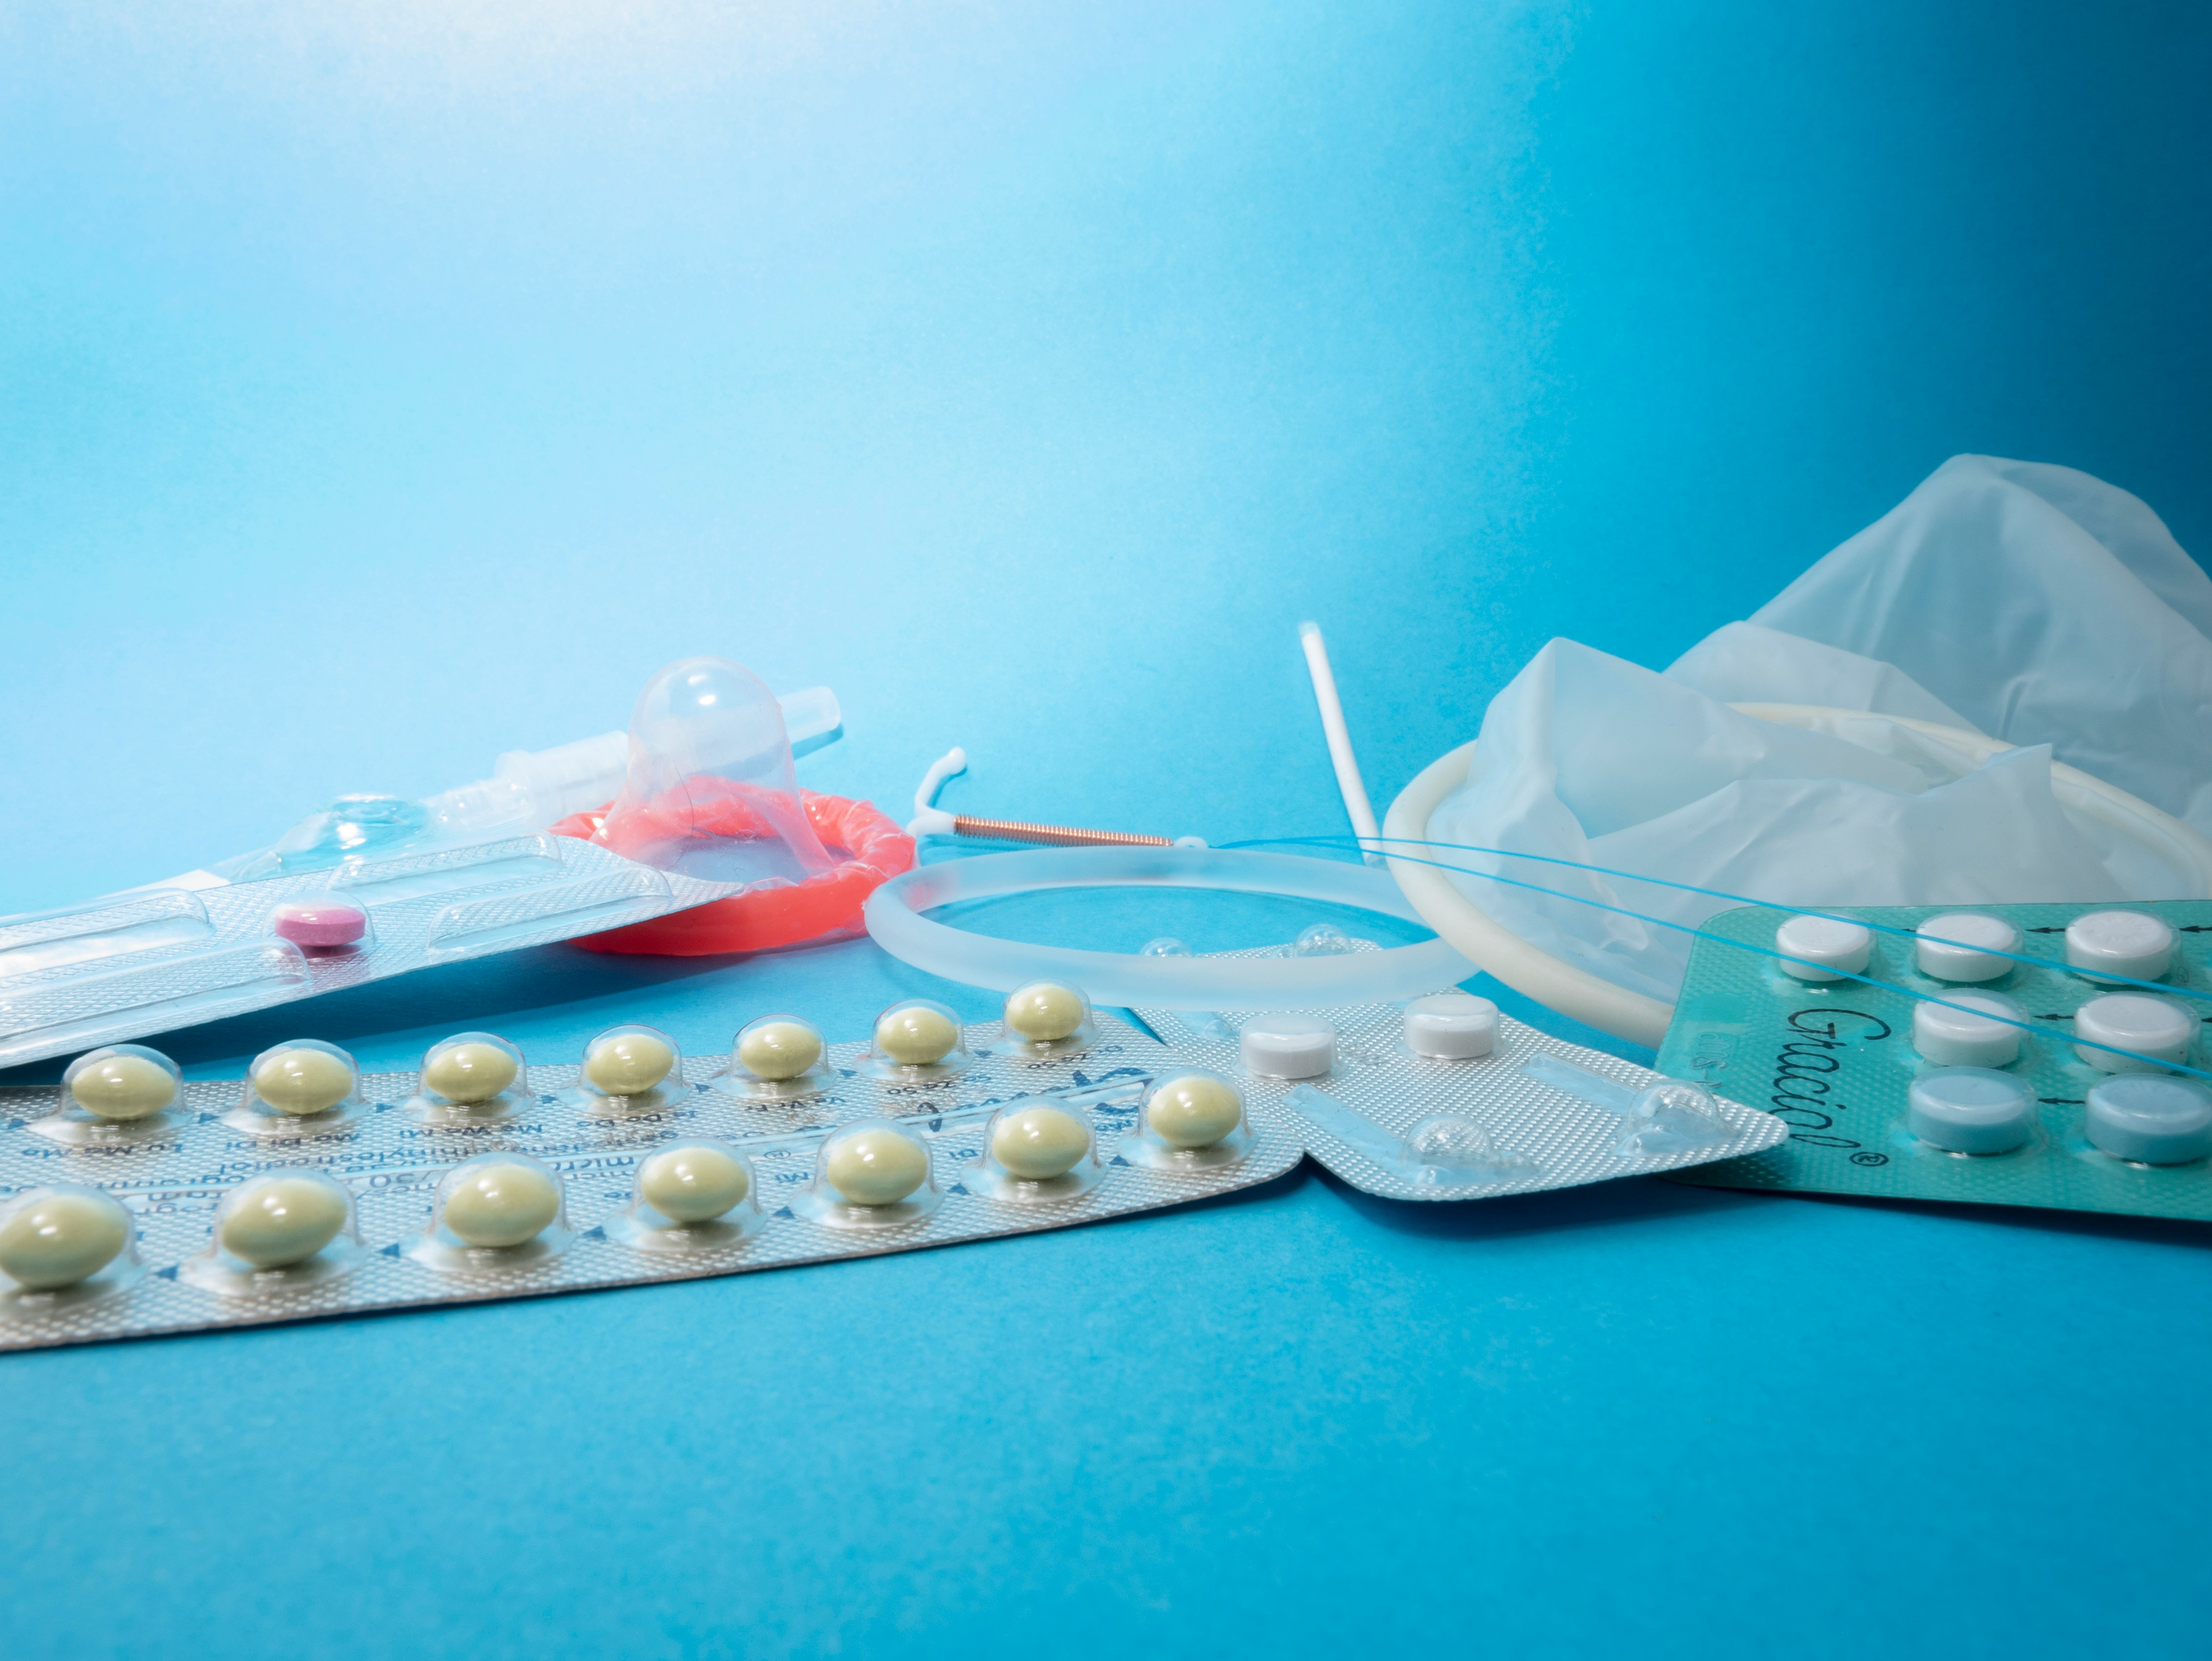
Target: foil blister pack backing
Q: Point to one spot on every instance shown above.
(161, 958)
(392, 1163)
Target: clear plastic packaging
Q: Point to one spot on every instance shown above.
(495, 1214)
(1667, 1116)
(278, 1233)
(63, 1245)
(629, 1071)
(778, 1058)
(1035, 1151)
(916, 1041)
(116, 1096)
(470, 1079)
(302, 1087)
(1444, 1151)
(1045, 1020)
(701, 1195)
(1192, 1120)
(872, 1174)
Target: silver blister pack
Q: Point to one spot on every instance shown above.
(1408, 1126)
(160, 958)
(390, 1162)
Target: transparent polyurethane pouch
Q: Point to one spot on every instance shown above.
(701, 1195)
(302, 1087)
(1037, 1151)
(275, 1234)
(916, 1041)
(472, 1079)
(1191, 1120)
(117, 1096)
(496, 1214)
(1046, 1020)
(63, 1245)
(629, 1071)
(778, 1058)
(872, 1174)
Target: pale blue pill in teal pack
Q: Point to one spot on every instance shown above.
(2150, 1119)
(1970, 1109)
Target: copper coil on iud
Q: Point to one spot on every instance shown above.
(1052, 835)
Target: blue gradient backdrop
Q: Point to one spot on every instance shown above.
(383, 385)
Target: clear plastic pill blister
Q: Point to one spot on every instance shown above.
(224, 1226)
(2036, 1054)
(1431, 1099)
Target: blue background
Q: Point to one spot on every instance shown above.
(388, 385)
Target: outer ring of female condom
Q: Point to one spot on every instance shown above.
(1595, 1001)
(894, 914)
(876, 849)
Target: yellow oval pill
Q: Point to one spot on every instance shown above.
(56, 1240)
(499, 1204)
(628, 1064)
(1040, 1142)
(303, 1081)
(1194, 1111)
(1045, 1013)
(692, 1185)
(876, 1166)
(914, 1035)
(778, 1051)
(123, 1087)
(469, 1073)
(278, 1221)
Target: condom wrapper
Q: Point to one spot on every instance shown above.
(1836, 1061)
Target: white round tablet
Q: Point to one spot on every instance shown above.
(500, 1203)
(1965, 947)
(693, 1184)
(60, 1237)
(1287, 1046)
(876, 1166)
(1451, 1026)
(2158, 1030)
(1960, 1037)
(2151, 1118)
(2127, 945)
(1822, 949)
(1970, 1109)
(275, 1222)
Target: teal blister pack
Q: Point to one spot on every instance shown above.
(1904, 1089)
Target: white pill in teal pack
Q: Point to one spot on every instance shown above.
(2150, 1118)
(1451, 1026)
(1287, 1046)
(1968, 1029)
(2152, 1031)
(1970, 1109)
(2131, 945)
(1822, 949)
(1965, 947)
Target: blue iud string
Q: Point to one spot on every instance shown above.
(1356, 843)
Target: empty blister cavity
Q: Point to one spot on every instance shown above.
(1969, 1029)
(1970, 1109)
(323, 924)
(62, 1245)
(91, 934)
(88, 1004)
(1966, 948)
(1668, 1116)
(916, 1041)
(2150, 1119)
(779, 1058)
(1820, 950)
(874, 1174)
(303, 1088)
(1451, 1026)
(700, 1195)
(277, 1233)
(2154, 1031)
(1035, 1151)
(627, 1070)
(1191, 1121)
(1286, 1046)
(2131, 946)
(493, 1214)
(1045, 1019)
(1326, 940)
(1444, 1151)
(471, 1077)
(117, 1096)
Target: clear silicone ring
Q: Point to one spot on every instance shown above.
(894, 917)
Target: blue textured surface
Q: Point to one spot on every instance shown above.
(395, 385)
